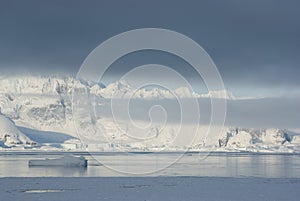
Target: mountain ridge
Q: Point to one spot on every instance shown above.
(65, 86)
(45, 104)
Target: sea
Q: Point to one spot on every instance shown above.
(135, 164)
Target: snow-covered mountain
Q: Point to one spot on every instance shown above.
(260, 140)
(10, 135)
(44, 104)
(63, 86)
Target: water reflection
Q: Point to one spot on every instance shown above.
(60, 171)
(215, 165)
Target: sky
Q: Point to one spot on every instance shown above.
(255, 44)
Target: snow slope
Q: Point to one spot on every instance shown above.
(14, 137)
(260, 140)
(10, 135)
(41, 107)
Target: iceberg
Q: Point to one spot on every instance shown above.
(65, 161)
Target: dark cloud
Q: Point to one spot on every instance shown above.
(254, 43)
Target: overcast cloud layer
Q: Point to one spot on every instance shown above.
(255, 44)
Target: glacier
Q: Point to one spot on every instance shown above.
(40, 108)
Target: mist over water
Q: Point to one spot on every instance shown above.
(253, 113)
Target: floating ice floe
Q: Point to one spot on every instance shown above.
(65, 161)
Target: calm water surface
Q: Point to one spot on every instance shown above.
(191, 164)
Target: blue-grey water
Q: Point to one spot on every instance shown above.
(189, 164)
